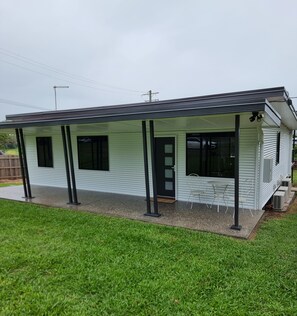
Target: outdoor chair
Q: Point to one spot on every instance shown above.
(192, 181)
(244, 195)
(219, 193)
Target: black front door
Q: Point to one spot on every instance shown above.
(165, 166)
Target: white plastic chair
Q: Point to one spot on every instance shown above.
(192, 181)
(244, 195)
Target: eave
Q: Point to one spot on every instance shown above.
(228, 103)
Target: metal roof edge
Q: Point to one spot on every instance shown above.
(260, 105)
(273, 114)
(222, 96)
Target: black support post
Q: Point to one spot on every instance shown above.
(75, 201)
(236, 225)
(67, 165)
(154, 175)
(146, 171)
(21, 162)
(22, 142)
(293, 158)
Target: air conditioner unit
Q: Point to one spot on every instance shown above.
(278, 200)
(287, 182)
(286, 190)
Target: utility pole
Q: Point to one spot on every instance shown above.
(55, 87)
(150, 94)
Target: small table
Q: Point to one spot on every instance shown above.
(219, 190)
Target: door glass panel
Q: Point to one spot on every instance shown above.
(168, 148)
(168, 185)
(168, 161)
(168, 173)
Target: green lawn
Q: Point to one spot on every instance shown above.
(12, 151)
(295, 177)
(8, 184)
(59, 262)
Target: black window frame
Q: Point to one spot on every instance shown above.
(277, 153)
(98, 158)
(203, 166)
(44, 148)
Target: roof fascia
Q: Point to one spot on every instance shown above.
(224, 97)
(274, 116)
(145, 115)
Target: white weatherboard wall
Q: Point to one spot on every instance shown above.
(280, 170)
(46, 176)
(247, 172)
(126, 170)
(126, 174)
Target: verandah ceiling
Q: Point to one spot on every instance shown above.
(209, 123)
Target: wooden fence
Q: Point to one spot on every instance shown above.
(10, 167)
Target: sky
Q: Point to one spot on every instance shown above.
(113, 51)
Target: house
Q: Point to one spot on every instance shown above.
(150, 149)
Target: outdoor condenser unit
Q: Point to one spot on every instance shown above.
(287, 182)
(286, 190)
(278, 200)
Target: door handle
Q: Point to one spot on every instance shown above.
(173, 168)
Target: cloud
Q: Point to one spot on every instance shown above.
(177, 48)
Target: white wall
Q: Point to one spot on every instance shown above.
(247, 171)
(46, 176)
(126, 171)
(126, 174)
(280, 170)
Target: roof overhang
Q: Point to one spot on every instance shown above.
(148, 112)
(229, 103)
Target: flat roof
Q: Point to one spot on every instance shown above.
(226, 103)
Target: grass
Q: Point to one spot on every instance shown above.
(8, 184)
(13, 151)
(295, 177)
(60, 262)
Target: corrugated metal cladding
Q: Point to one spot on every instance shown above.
(280, 170)
(126, 174)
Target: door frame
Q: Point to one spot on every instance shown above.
(175, 159)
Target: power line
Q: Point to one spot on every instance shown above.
(51, 68)
(65, 80)
(16, 103)
(58, 71)
(47, 67)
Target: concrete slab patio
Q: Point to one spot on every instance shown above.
(178, 214)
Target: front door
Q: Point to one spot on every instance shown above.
(165, 166)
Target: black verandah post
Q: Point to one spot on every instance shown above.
(293, 156)
(67, 164)
(21, 162)
(146, 172)
(68, 134)
(25, 164)
(154, 175)
(236, 225)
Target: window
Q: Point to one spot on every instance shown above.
(93, 152)
(210, 154)
(277, 148)
(44, 151)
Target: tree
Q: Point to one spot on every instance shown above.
(7, 141)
